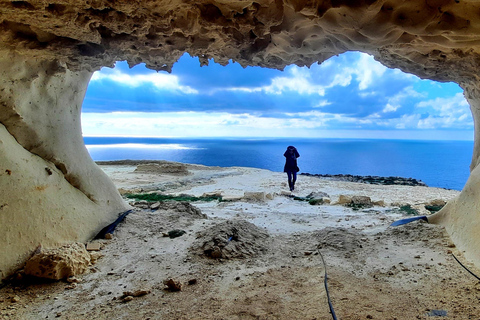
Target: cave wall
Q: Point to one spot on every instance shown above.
(51, 190)
(49, 49)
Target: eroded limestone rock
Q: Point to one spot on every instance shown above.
(59, 263)
(171, 168)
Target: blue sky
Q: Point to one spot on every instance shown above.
(347, 96)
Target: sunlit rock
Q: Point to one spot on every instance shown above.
(59, 263)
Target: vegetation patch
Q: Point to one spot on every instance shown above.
(358, 206)
(154, 197)
(433, 209)
(315, 202)
(408, 210)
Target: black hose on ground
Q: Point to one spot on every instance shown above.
(473, 274)
(330, 305)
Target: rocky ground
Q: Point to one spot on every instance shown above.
(257, 253)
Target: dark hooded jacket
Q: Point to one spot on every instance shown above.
(291, 156)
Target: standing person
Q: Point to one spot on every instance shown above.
(291, 167)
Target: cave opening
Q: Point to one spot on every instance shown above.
(350, 107)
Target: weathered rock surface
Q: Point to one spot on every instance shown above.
(163, 168)
(49, 50)
(59, 263)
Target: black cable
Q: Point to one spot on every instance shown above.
(330, 305)
(473, 274)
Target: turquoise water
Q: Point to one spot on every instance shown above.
(443, 164)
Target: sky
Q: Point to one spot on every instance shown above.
(347, 96)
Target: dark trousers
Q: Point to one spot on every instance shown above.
(292, 177)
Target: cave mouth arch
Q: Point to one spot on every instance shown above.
(49, 52)
(215, 101)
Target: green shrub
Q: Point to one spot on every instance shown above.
(154, 197)
(433, 209)
(407, 209)
(315, 202)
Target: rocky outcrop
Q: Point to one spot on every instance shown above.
(369, 179)
(51, 190)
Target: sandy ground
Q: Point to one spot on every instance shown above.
(270, 266)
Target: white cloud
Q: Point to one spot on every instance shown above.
(161, 81)
(200, 124)
(390, 108)
(394, 103)
(322, 103)
(299, 80)
(368, 71)
(452, 112)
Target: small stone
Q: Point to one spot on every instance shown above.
(192, 281)
(15, 299)
(71, 286)
(173, 285)
(127, 299)
(176, 233)
(155, 206)
(136, 293)
(437, 313)
(93, 246)
(108, 236)
(140, 293)
(73, 280)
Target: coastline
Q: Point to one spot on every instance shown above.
(386, 181)
(416, 159)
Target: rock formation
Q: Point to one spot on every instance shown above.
(52, 192)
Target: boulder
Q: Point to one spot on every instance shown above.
(58, 263)
(361, 201)
(343, 199)
(254, 195)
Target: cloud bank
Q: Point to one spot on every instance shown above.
(348, 93)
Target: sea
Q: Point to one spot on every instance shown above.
(443, 164)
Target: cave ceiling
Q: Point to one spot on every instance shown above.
(434, 39)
